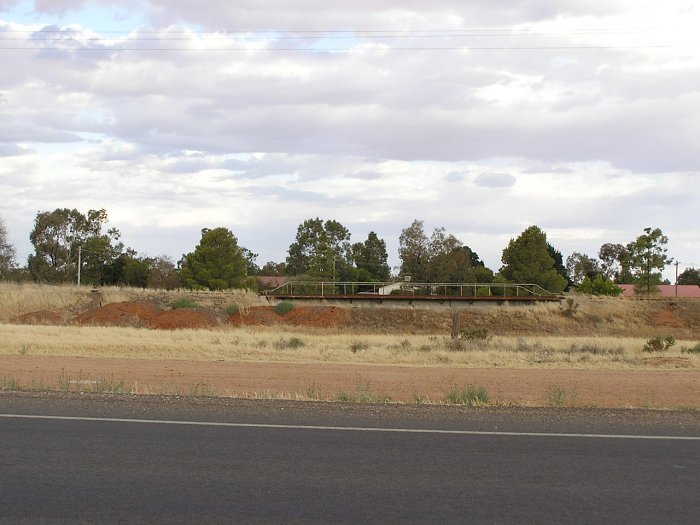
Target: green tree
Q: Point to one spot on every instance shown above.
(371, 256)
(441, 258)
(217, 262)
(414, 252)
(272, 268)
(7, 252)
(689, 276)
(321, 249)
(56, 237)
(527, 259)
(615, 263)
(163, 274)
(648, 258)
(579, 266)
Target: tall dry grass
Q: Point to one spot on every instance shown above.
(280, 345)
(70, 300)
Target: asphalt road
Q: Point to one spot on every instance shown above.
(130, 459)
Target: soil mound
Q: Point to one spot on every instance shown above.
(185, 318)
(149, 315)
(309, 316)
(121, 314)
(46, 317)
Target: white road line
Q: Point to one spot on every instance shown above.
(350, 429)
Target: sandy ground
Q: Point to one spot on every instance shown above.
(583, 388)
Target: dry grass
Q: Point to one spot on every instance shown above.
(280, 345)
(70, 300)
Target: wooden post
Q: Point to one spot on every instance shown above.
(456, 321)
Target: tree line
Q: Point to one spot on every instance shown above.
(66, 240)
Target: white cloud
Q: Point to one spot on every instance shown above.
(206, 130)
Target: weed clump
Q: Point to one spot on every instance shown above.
(659, 344)
(692, 349)
(475, 334)
(284, 307)
(183, 302)
(232, 309)
(471, 395)
(293, 343)
(558, 396)
(359, 346)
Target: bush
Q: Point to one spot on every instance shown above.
(232, 309)
(292, 343)
(359, 346)
(692, 350)
(475, 334)
(570, 309)
(284, 307)
(183, 302)
(599, 286)
(659, 344)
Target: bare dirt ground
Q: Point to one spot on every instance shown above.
(666, 388)
(325, 381)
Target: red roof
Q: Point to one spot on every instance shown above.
(666, 290)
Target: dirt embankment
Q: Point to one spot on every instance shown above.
(625, 318)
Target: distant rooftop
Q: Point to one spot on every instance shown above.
(666, 290)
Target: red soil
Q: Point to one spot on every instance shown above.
(147, 315)
(310, 316)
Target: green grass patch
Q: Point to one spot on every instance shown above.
(471, 395)
(284, 307)
(183, 302)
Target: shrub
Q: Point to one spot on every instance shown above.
(692, 350)
(569, 310)
(183, 302)
(292, 343)
(359, 346)
(659, 343)
(475, 334)
(599, 286)
(284, 307)
(472, 396)
(233, 309)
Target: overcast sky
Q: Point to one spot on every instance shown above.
(579, 116)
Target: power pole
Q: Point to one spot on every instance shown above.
(677, 263)
(79, 262)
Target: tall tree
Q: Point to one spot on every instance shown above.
(321, 249)
(163, 274)
(648, 258)
(7, 252)
(579, 266)
(414, 251)
(441, 258)
(527, 259)
(371, 256)
(217, 262)
(689, 276)
(615, 263)
(58, 234)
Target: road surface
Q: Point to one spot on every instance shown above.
(140, 459)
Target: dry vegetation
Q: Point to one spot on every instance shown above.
(536, 336)
(286, 345)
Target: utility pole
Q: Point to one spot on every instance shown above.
(79, 262)
(677, 263)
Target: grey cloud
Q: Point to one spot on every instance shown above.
(365, 175)
(495, 180)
